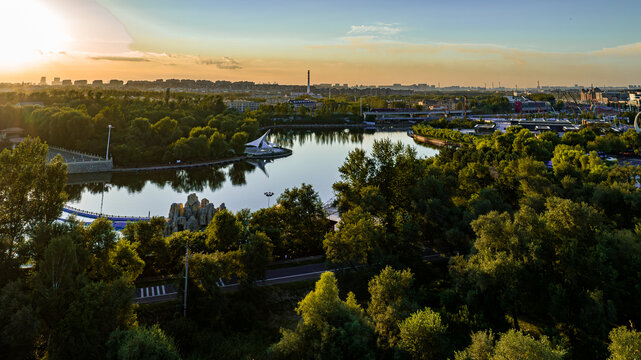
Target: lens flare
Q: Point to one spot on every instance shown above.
(30, 31)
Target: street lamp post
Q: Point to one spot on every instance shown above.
(186, 277)
(108, 138)
(269, 194)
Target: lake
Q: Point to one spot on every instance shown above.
(316, 157)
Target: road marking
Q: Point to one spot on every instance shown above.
(297, 275)
(161, 291)
(286, 277)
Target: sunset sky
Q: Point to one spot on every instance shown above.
(457, 42)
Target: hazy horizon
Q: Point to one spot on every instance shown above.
(461, 43)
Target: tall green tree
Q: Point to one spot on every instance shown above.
(95, 311)
(148, 239)
(224, 231)
(20, 325)
(511, 345)
(254, 256)
(330, 328)
(391, 302)
(625, 344)
(31, 194)
(422, 335)
(355, 241)
(303, 220)
(238, 142)
(506, 251)
(141, 343)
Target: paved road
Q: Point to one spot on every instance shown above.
(272, 277)
(167, 292)
(152, 294)
(287, 275)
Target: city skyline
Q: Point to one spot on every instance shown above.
(459, 43)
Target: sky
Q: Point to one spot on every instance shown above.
(456, 42)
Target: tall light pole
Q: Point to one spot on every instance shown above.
(108, 138)
(186, 277)
(269, 194)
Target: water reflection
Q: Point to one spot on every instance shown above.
(212, 178)
(287, 138)
(316, 157)
(184, 180)
(238, 170)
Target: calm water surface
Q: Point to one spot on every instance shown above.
(315, 160)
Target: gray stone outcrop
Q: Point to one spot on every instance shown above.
(193, 215)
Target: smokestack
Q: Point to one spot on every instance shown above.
(308, 81)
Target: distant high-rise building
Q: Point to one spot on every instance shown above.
(66, 82)
(116, 82)
(80, 82)
(308, 80)
(43, 80)
(97, 83)
(56, 81)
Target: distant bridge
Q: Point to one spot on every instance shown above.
(407, 114)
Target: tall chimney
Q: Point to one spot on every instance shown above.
(308, 81)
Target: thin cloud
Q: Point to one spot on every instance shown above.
(623, 50)
(377, 29)
(225, 63)
(119, 58)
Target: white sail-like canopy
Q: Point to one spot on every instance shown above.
(261, 142)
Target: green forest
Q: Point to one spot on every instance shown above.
(481, 252)
(151, 128)
(508, 246)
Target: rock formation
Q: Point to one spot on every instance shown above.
(193, 215)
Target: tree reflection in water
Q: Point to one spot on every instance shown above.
(288, 137)
(213, 178)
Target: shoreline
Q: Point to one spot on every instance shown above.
(202, 163)
(430, 141)
(181, 166)
(159, 167)
(312, 126)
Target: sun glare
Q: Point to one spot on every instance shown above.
(30, 31)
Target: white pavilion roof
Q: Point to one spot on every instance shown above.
(261, 142)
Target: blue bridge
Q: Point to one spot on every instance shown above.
(119, 222)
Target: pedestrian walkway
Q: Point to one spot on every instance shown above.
(155, 293)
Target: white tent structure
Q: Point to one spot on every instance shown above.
(260, 143)
(262, 147)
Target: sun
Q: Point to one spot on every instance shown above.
(29, 31)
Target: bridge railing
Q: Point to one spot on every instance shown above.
(72, 210)
(93, 157)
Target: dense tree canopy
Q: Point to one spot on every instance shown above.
(330, 328)
(532, 244)
(31, 196)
